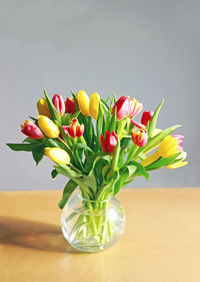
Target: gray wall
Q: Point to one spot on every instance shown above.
(145, 49)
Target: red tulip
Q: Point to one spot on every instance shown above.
(180, 141)
(139, 137)
(146, 117)
(31, 130)
(122, 106)
(108, 144)
(134, 107)
(70, 105)
(59, 104)
(75, 129)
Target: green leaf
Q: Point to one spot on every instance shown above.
(114, 97)
(99, 125)
(31, 140)
(77, 159)
(130, 152)
(52, 143)
(21, 147)
(38, 153)
(131, 169)
(119, 182)
(105, 103)
(52, 108)
(68, 190)
(67, 171)
(107, 121)
(163, 162)
(112, 123)
(82, 146)
(127, 142)
(75, 176)
(34, 119)
(91, 161)
(75, 101)
(54, 173)
(75, 115)
(121, 159)
(153, 121)
(65, 119)
(107, 100)
(89, 130)
(141, 171)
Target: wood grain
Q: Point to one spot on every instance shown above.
(161, 241)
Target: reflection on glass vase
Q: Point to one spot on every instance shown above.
(92, 226)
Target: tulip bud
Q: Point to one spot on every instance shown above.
(139, 137)
(83, 102)
(59, 104)
(180, 141)
(146, 117)
(168, 147)
(70, 105)
(109, 143)
(43, 108)
(31, 130)
(75, 129)
(94, 105)
(134, 107)
(122, 106)
(48, 127)
(57, 155)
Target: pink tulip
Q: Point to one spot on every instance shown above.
(109, 142)
(122, 106)
(31, 130)
(146, 117)
(139, 137)
(70, 105)
(134, 107)
(180, 141)
(59, 104)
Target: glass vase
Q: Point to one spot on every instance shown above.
(92, 226)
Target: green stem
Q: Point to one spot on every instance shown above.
(75, 168)
(131, 156)
(115, 158)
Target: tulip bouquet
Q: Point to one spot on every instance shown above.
(99, 159)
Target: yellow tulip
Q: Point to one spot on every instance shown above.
(57, 155)
(48, 127)
(83, 102)
(182, 157)
(150, 159)
(168, 146)
(43, 108)
(94, 105)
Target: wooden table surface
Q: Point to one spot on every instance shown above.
(161, 241)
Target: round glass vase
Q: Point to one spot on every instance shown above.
(92, 226)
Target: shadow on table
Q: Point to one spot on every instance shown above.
(34, 235)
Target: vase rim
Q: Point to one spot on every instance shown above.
(94, 201)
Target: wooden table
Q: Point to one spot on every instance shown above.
(161, 241)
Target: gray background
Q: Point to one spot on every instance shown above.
(144, 49)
